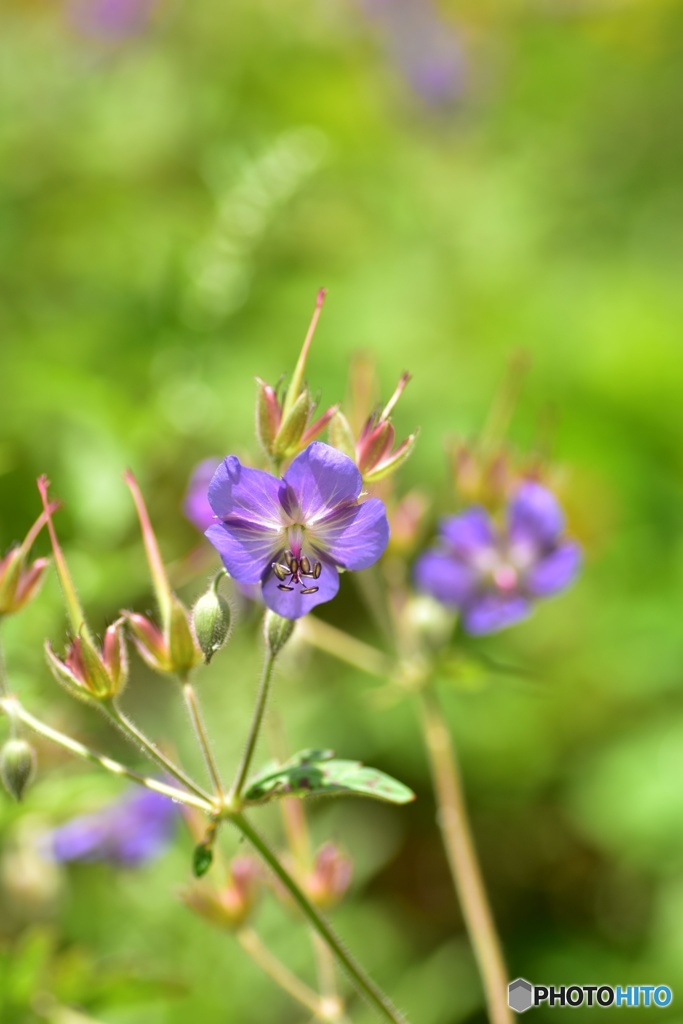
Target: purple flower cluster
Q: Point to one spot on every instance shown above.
(492, 575)
(125, 833)
(292, 535)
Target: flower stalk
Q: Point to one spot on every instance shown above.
(462, 858)
(233, 798)
(363, 984)
(202, 738)
(14, 710)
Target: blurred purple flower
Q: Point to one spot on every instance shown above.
(127, 833)
(493, 575)
(196, 503)
(292, 534)
(111, 18)
(423, 46)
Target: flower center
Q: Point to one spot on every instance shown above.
(505, 578)
(296, 570)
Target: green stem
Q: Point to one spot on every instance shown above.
(364, 985)
(12, 708)
(462, 858)
(252, 739)
(131, 731)
(280, 974)
(202, 738)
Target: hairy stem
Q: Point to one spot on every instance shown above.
(281, 975)
(12, 708)
(364, 985)
(252, 739)
(202, 737)
(113, 711)
(462, 858)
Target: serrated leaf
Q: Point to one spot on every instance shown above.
(319, 773)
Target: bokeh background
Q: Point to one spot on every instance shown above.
(468, 180)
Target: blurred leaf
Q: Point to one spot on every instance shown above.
(318, 773)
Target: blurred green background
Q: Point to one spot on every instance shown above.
(176, 181)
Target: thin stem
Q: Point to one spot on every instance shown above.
(12, 708)
(4, 686)
(462, 858)
(281, 975)
(153, 753)
(365, 986)
(252, 739)
(327, 975)
(202, 737)
(344, 647)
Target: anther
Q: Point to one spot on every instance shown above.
(288, 557)
(307, 590)
(317, 569)
(294, 567)
(281, 571)
(305, 566)
(282, 586)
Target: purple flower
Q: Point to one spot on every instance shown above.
(290, 535)
(493, 575)
(196, 503)
(126, 833)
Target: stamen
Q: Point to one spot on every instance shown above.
(317, 569)
(281, 571)
(294, 567)
(288, 557)
(282, 586)
(305, 566)
(309, 590)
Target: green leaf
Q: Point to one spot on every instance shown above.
(319, 773)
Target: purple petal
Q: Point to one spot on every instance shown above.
(468, 534)
(354, 536)
(535, 516)
(126, 832)
(246, 549)
(491, 612)
(248, 496)
(554, 572)
(445, 578)
(196, 504)
(292, 604)
(319, 480)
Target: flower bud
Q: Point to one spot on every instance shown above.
(268, 415)
(19, 580)
(17, 766)
(288, 439)
(277, 632)
(227, 907)
(341, 435)
(211, 618)
(89, 672)
(330, 878)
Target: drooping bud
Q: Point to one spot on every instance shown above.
(211, 619)
(330, 878)
(19, 580)
(227, 907)
(17, 766)
(173, 648)
(277, 631)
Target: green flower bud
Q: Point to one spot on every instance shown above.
(287, 441)
(277, 632)
(17, 766)
(211, 618)
(341, 435)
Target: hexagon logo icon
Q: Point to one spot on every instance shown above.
(520, 995)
